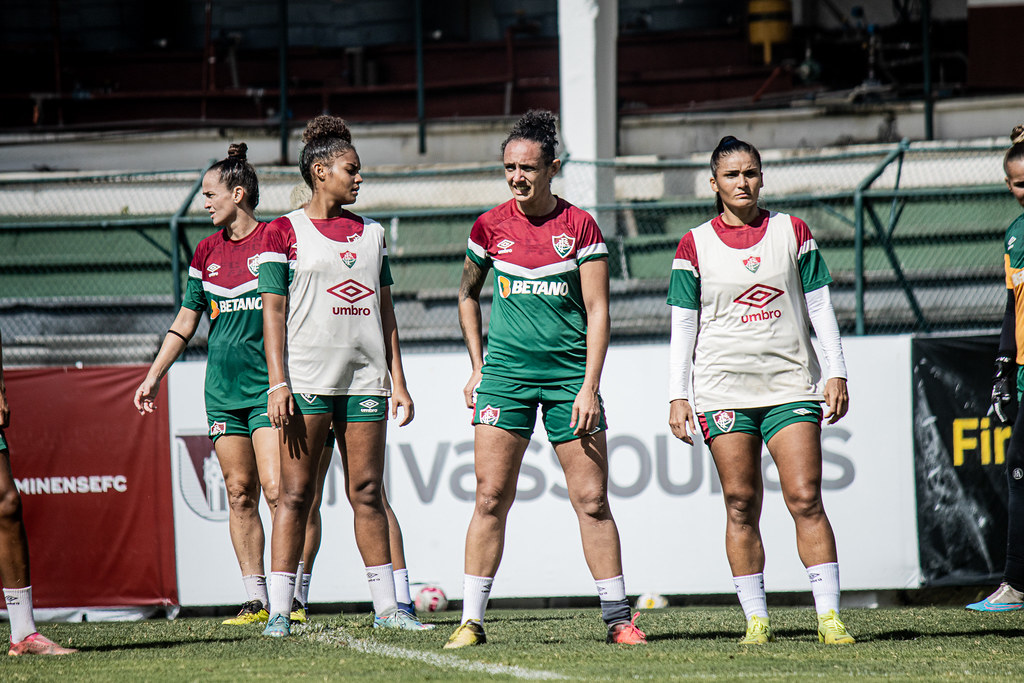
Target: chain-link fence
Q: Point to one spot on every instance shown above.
(92, 266)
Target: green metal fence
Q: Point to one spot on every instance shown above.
(92, 266)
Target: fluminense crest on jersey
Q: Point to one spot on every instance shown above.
(348, 258)
(725, 419)
(752, 263)
(489, 415)
(254, 265)
(350, 291)
(759, 296)
(563, 244)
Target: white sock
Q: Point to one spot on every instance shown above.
(611, 590)
(750, 591)
(825, 586)
(382, 589)
(256, 588)
(299, 573)
(282, 590)
(19, 609)
(402, 593)
(304, 588)
(475, 592)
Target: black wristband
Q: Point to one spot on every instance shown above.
(179, 335)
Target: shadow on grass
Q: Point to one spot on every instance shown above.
(157, 644)
(907, 634)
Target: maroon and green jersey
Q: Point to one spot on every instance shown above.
(538, 324)
(222, 280)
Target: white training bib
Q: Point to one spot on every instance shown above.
(335, 344)
(753, 342)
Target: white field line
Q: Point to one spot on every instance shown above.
(442, 661)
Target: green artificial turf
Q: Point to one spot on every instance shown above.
(687, 643)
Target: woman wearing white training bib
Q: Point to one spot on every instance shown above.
(745, 288)
(333, 358)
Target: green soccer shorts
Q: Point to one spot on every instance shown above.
(764, 422)
(512, 406)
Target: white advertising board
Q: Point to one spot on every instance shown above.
(664, 494)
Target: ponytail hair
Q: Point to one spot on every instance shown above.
(536, 125)
(1016, 151)
(326, 137)
(726, 146)
(236, 171)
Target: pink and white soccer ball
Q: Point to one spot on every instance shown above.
(431, 599)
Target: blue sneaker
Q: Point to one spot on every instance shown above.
(1005, 599)
(401, 620)
(278, 626)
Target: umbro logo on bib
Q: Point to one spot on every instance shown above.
(725, 419)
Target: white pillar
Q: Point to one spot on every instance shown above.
(587, 31)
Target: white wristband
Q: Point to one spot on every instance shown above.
(276, 387)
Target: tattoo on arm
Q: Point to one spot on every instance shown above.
(473, 277)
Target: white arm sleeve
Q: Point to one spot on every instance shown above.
(680, 352)
(823, 319)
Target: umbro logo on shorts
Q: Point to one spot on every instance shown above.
(369, 405)
(489, 415)
(725, 419)
(308, 398)
(803, 411)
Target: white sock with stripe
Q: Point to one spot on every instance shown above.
(750, 591)
(256, 589)
(476, 590)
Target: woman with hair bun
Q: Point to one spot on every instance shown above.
(745, 288)
(333, 359)
(546, 345)
(1010, 593)
(222, 280)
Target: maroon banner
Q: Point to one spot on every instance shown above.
(95, 483)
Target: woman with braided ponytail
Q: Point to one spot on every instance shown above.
(1010, 593)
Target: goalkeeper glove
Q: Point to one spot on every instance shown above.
(1002, 390)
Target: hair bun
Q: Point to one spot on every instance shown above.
(327, 126)
(1017, 136)
(726, 140)
(237, 150)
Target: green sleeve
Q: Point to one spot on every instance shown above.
(195, 296)
(684, 289)
(813, 271)
(385, 273)
(274, 278)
